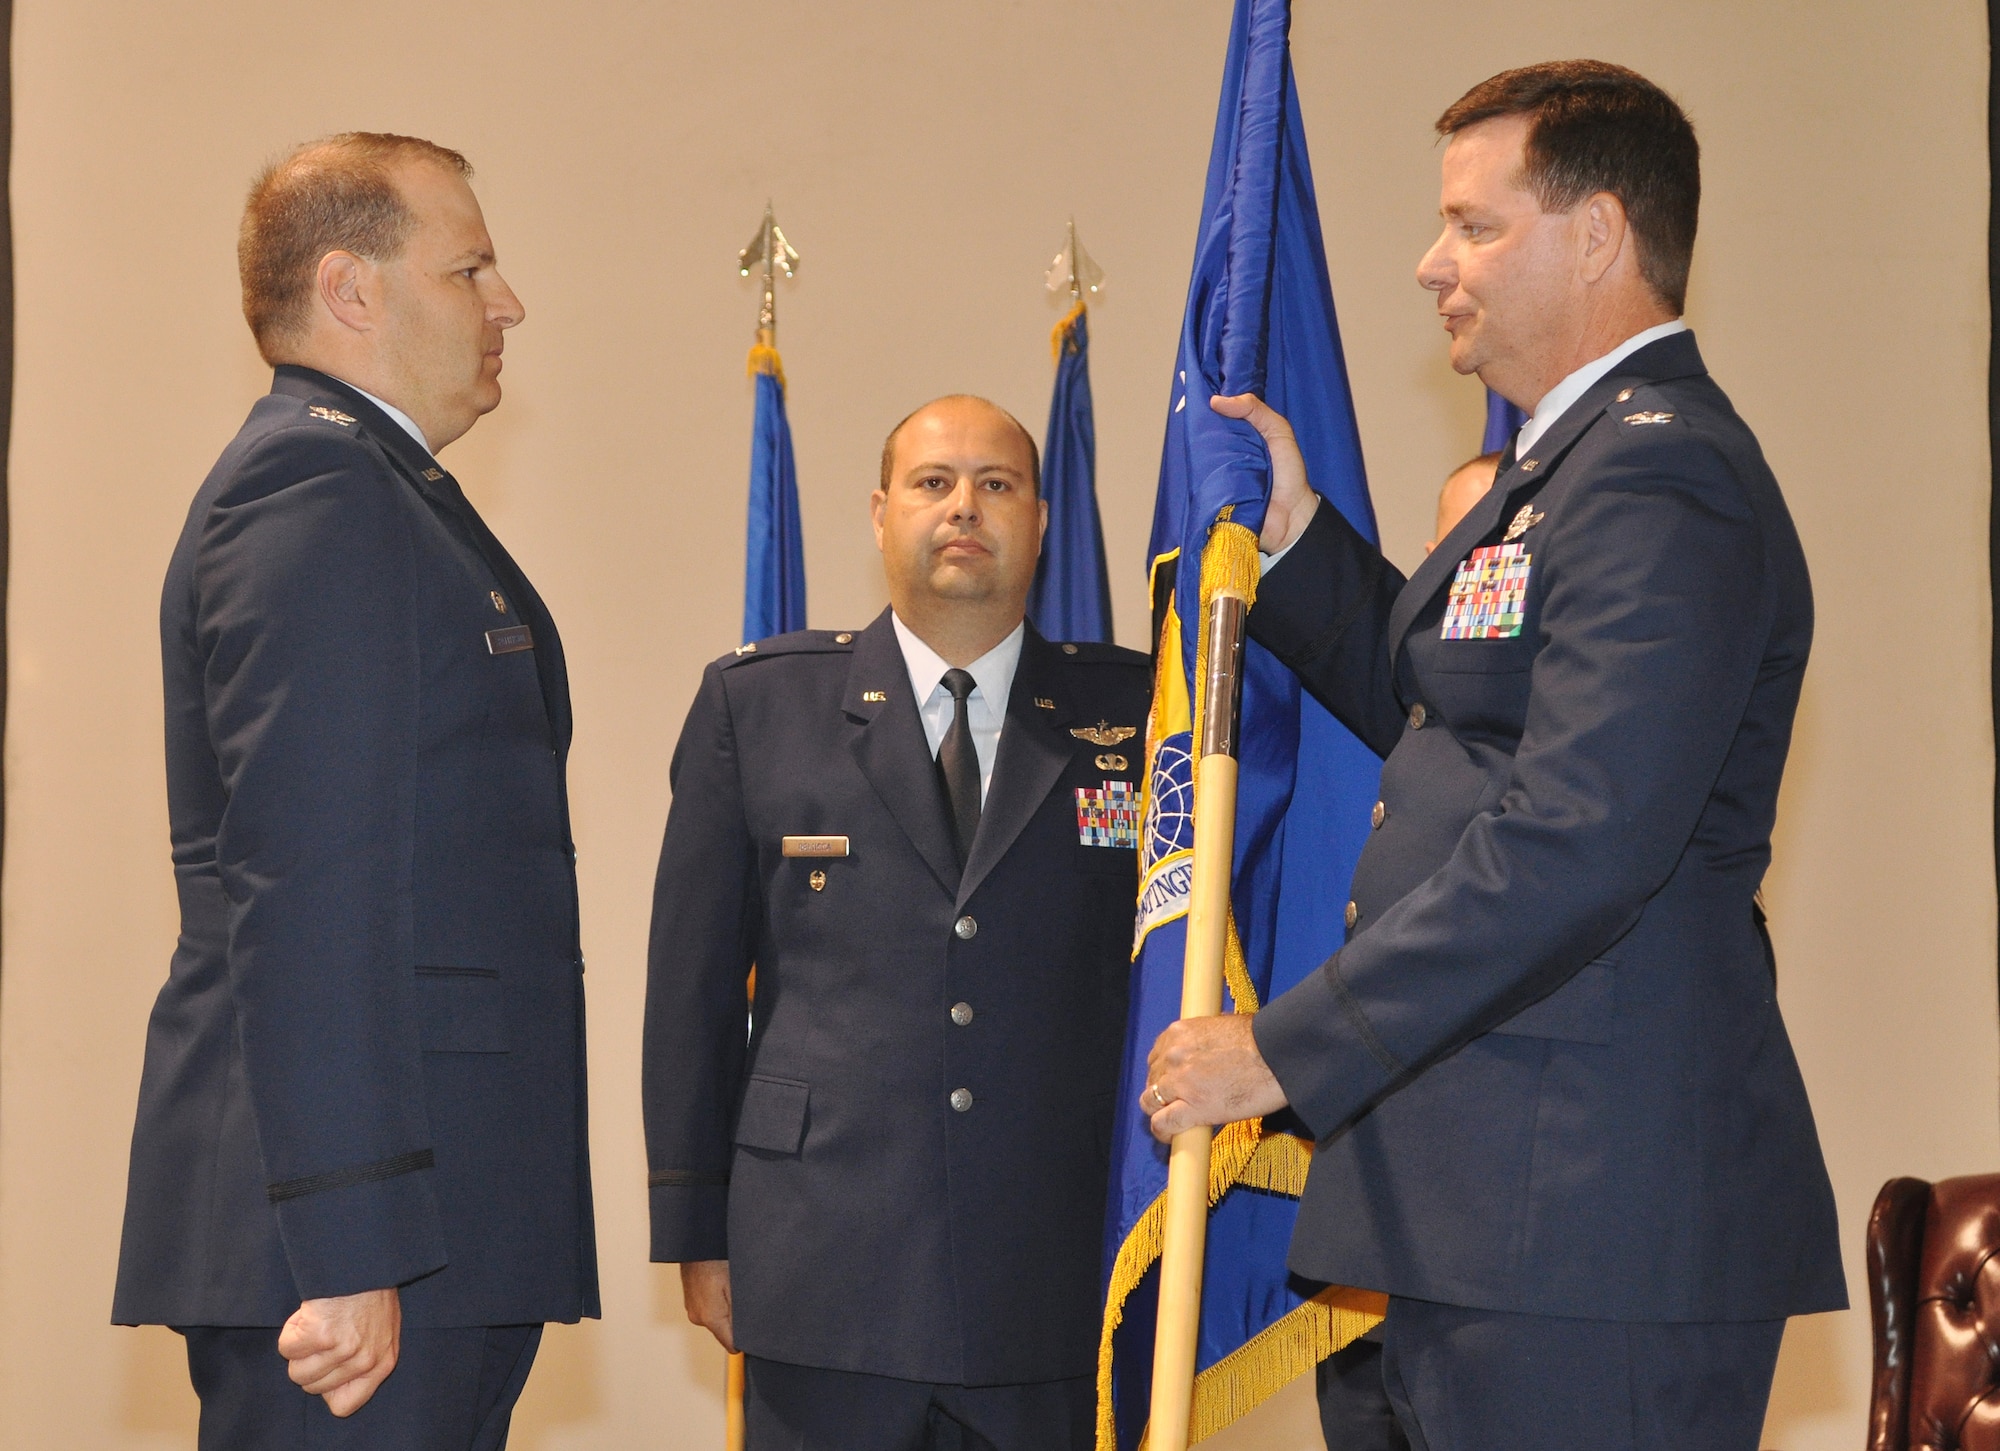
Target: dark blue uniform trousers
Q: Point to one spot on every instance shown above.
(802, 1408)
(1484, 1380)
(452, 1390)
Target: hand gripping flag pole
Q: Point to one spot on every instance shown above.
(1184, 1243)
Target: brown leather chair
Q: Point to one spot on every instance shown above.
(1934, 1293)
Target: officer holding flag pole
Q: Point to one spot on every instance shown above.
(1559, 1121)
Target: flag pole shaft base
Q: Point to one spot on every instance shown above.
(1184, 1238)
(732, 1413)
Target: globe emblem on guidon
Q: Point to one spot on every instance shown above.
(1170, 809)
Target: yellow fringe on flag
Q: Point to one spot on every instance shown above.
(1064, 335)
(1241, 1154)
(764, 359)
(1263, 1365)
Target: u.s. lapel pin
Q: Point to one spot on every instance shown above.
(874, 697)
(1044, 702)
(1527, 519)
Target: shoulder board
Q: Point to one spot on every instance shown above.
(798, 642)
(1093, 652)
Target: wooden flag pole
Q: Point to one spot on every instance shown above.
(732, 1422)
(1185, 1238)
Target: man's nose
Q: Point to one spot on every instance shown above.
(964, 503)
(504, 307)
(1434, 270)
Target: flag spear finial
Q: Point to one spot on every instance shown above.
(1073, 271)
(771, 253)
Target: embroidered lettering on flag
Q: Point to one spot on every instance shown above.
(1488, 594)
(1109, 817)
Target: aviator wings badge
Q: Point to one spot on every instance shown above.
(1104, 733)
(1527, 519)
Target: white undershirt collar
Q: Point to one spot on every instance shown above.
(1559, 399)
(402, 419)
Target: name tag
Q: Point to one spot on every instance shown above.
(813, 846)
(508, 639)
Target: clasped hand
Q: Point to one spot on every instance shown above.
(1207, 1071)
(342, 1348)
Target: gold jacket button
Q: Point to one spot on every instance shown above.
(843, 638)
(1418, 715)
(961, 1013)
(1353, 916)
(961, 1099)
(1379, 815)
(1069, 649)
(965, 927)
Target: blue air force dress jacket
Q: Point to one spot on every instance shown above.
(1547, 1071)
(904, 1163)
(366, 1067)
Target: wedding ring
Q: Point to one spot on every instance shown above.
(1159, 1099)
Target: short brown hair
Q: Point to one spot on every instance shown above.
(1597, 127)
(330, 195)
(1034, 453)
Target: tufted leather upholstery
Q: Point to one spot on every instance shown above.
(1934, 1293)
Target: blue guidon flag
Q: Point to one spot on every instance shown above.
(1071, 595)
(1259, 319)
(1503, 421)
(774, 563)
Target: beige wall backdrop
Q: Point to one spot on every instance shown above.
(924, 158)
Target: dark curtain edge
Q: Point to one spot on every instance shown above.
(6, 367)
(1993, 421)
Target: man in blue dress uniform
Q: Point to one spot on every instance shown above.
(359, 1180)
(923, 836)
(1559, 1119)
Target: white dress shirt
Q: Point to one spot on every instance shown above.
(1559, 399)
(985, 708)
(1555, 403)
(409, 424)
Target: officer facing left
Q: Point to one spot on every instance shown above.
(359, 1179)
(923, 835)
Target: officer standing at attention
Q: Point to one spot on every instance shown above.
(1559, 1117)
(359, 1179)
(924, 838)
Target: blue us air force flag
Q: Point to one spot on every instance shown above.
(1503, 421)
(1259, 319)
(1071, 596)
(774, 564)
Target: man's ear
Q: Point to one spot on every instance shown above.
(1606, 232)
(346, 290)
(1042, 537)
(877, 501)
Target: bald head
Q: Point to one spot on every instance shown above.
(959, 521)
(964, 405)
